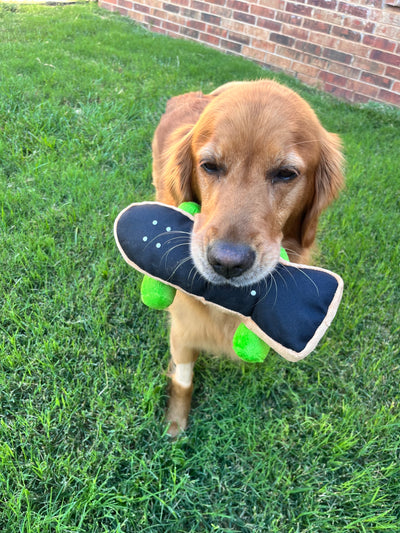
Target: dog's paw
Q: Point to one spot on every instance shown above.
(175, 429)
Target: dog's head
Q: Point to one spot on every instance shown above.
(263, 169)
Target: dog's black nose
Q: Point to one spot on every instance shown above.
(230, 260)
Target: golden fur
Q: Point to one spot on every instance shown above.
(256, 158)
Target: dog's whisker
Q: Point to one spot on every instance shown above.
(268, 285)
(288, 270)
(166, 254)
(275, 285)
(159, 235)
(181, 263)
(276, 271)
(310, 279)
(193, 272)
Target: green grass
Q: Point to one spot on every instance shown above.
(277, 447)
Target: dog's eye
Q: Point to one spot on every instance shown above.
(211, 168)
(283, 174)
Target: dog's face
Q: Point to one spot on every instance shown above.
(263, 169)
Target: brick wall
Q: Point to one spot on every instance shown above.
(349, 49)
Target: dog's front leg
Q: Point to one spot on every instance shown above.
(181, 388)
(185, 323)
(180, 397)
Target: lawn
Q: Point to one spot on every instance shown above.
(276, 447)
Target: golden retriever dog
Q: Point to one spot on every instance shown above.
(257, 160)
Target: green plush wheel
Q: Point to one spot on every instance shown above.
(190, 207)
(248, 346)
(156, 294)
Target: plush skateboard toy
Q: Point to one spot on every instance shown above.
(290, 310)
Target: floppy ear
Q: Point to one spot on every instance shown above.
(178, 166)
(329, 180)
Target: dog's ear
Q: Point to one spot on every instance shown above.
(178, 166)
(328, 181)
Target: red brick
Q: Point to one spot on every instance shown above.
(366, 64)
(334, 55)
(389, 97)
(222, 12)
(171, 26)
(233, 25)
(290, 52)
(141, 8)
(307, 70)
(228, 45)
(360, 98)
(281, 39)
(379, 42)
(177, 19)
(159, 14)
(238, 38)
(210, 39)
(308, 80)
(200, 6)
(138, 17)
(385, 57)
(387, 31)
(352, 49)
(355, 11)
(315, 61)
(332, 17)
(259, 33)
(299, 9)
(363, 88)
(376, 80)
(280, 63)
(317, 25)
(188, 32)
(153, 22)
(257, 55)
(339, 92)
(215, 30)
(196, 25)
(324, 40)
(289, 18)
(344, 70)
(333, 79)
(244, 17)
(296, 32)
(374, 3)
(273, 4)
(310, 48)
(359, 24)
(326, 4)
(239, 6)
(263, 45)
(125, 3)
(345, 33)
(170, 7)
(156, 29)
(211, 19)
(393, 72)
(261, 11)
(190, 13)
(389, 17)
(269, 24)
(125, 12)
